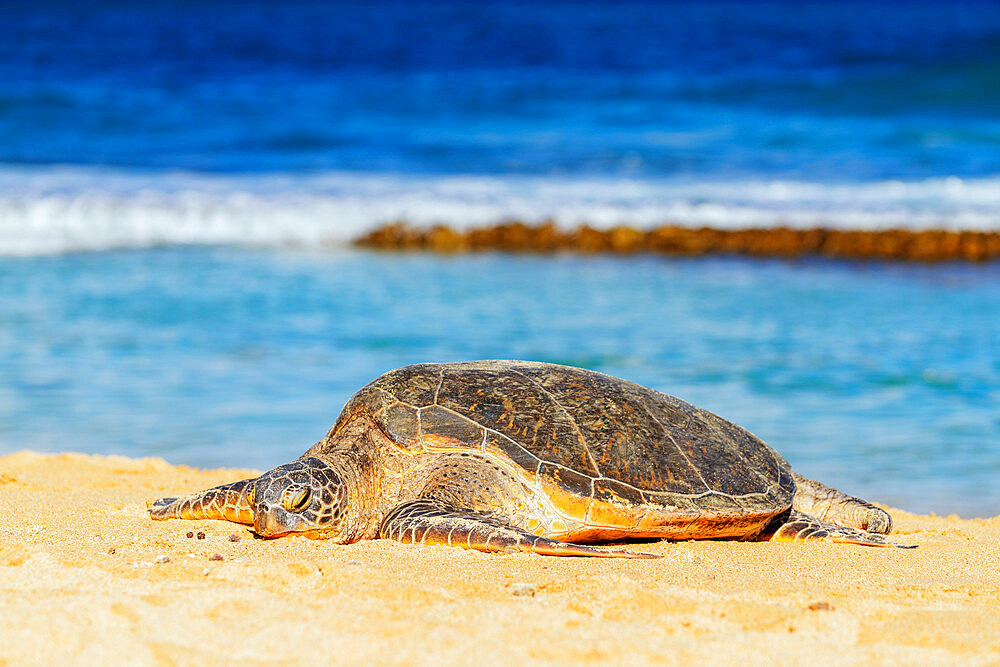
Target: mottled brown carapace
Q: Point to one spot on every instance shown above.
(517, 455)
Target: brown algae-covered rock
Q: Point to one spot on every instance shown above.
(547, 237)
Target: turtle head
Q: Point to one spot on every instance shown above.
(306, 496)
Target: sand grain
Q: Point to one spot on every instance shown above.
(86, 576)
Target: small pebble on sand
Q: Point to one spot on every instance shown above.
(190, 534)
(234, 537)
(163, 558)
(215, 557)
(523, 590)
(201, 535)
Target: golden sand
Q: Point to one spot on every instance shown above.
(87, 577)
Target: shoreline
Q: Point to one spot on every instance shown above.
(671, 240)
(87, 577)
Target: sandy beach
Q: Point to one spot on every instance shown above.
(87, 577)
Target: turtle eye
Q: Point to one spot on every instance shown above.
(296, 500)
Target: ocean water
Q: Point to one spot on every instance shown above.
(881, 379)
(178, 183)
(128, 125)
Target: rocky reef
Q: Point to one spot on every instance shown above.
(547, 237)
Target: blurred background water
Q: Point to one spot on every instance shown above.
(213, 158)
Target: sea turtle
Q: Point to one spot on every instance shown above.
(526, 456)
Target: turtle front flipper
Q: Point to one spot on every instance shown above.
(228, 502)
(795, 526)
(431, 522)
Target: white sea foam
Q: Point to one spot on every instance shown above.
(59, 210)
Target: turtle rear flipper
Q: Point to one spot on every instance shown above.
(829, 504)
(431, 522)
(159, 506)
(796, 526)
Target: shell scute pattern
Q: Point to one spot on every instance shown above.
(628, 440)
(588, 434)
(610, 503)
(371, 398)
(728, 475)
(515, 452)
(625, 437)
(456, 431)
(512, 405)
(613, 491)
(723, 457)
(677, 501)
(415, 385)
(568, 480)
(402, 425)
(766, 463)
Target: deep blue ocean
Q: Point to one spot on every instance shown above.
(178, 183)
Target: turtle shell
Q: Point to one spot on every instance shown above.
(591, 435)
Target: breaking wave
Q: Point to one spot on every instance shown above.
(48, 211)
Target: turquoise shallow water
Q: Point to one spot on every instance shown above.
(881, 379)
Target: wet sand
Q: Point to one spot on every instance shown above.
(87, 577)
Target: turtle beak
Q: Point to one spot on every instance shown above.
(272, 521)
